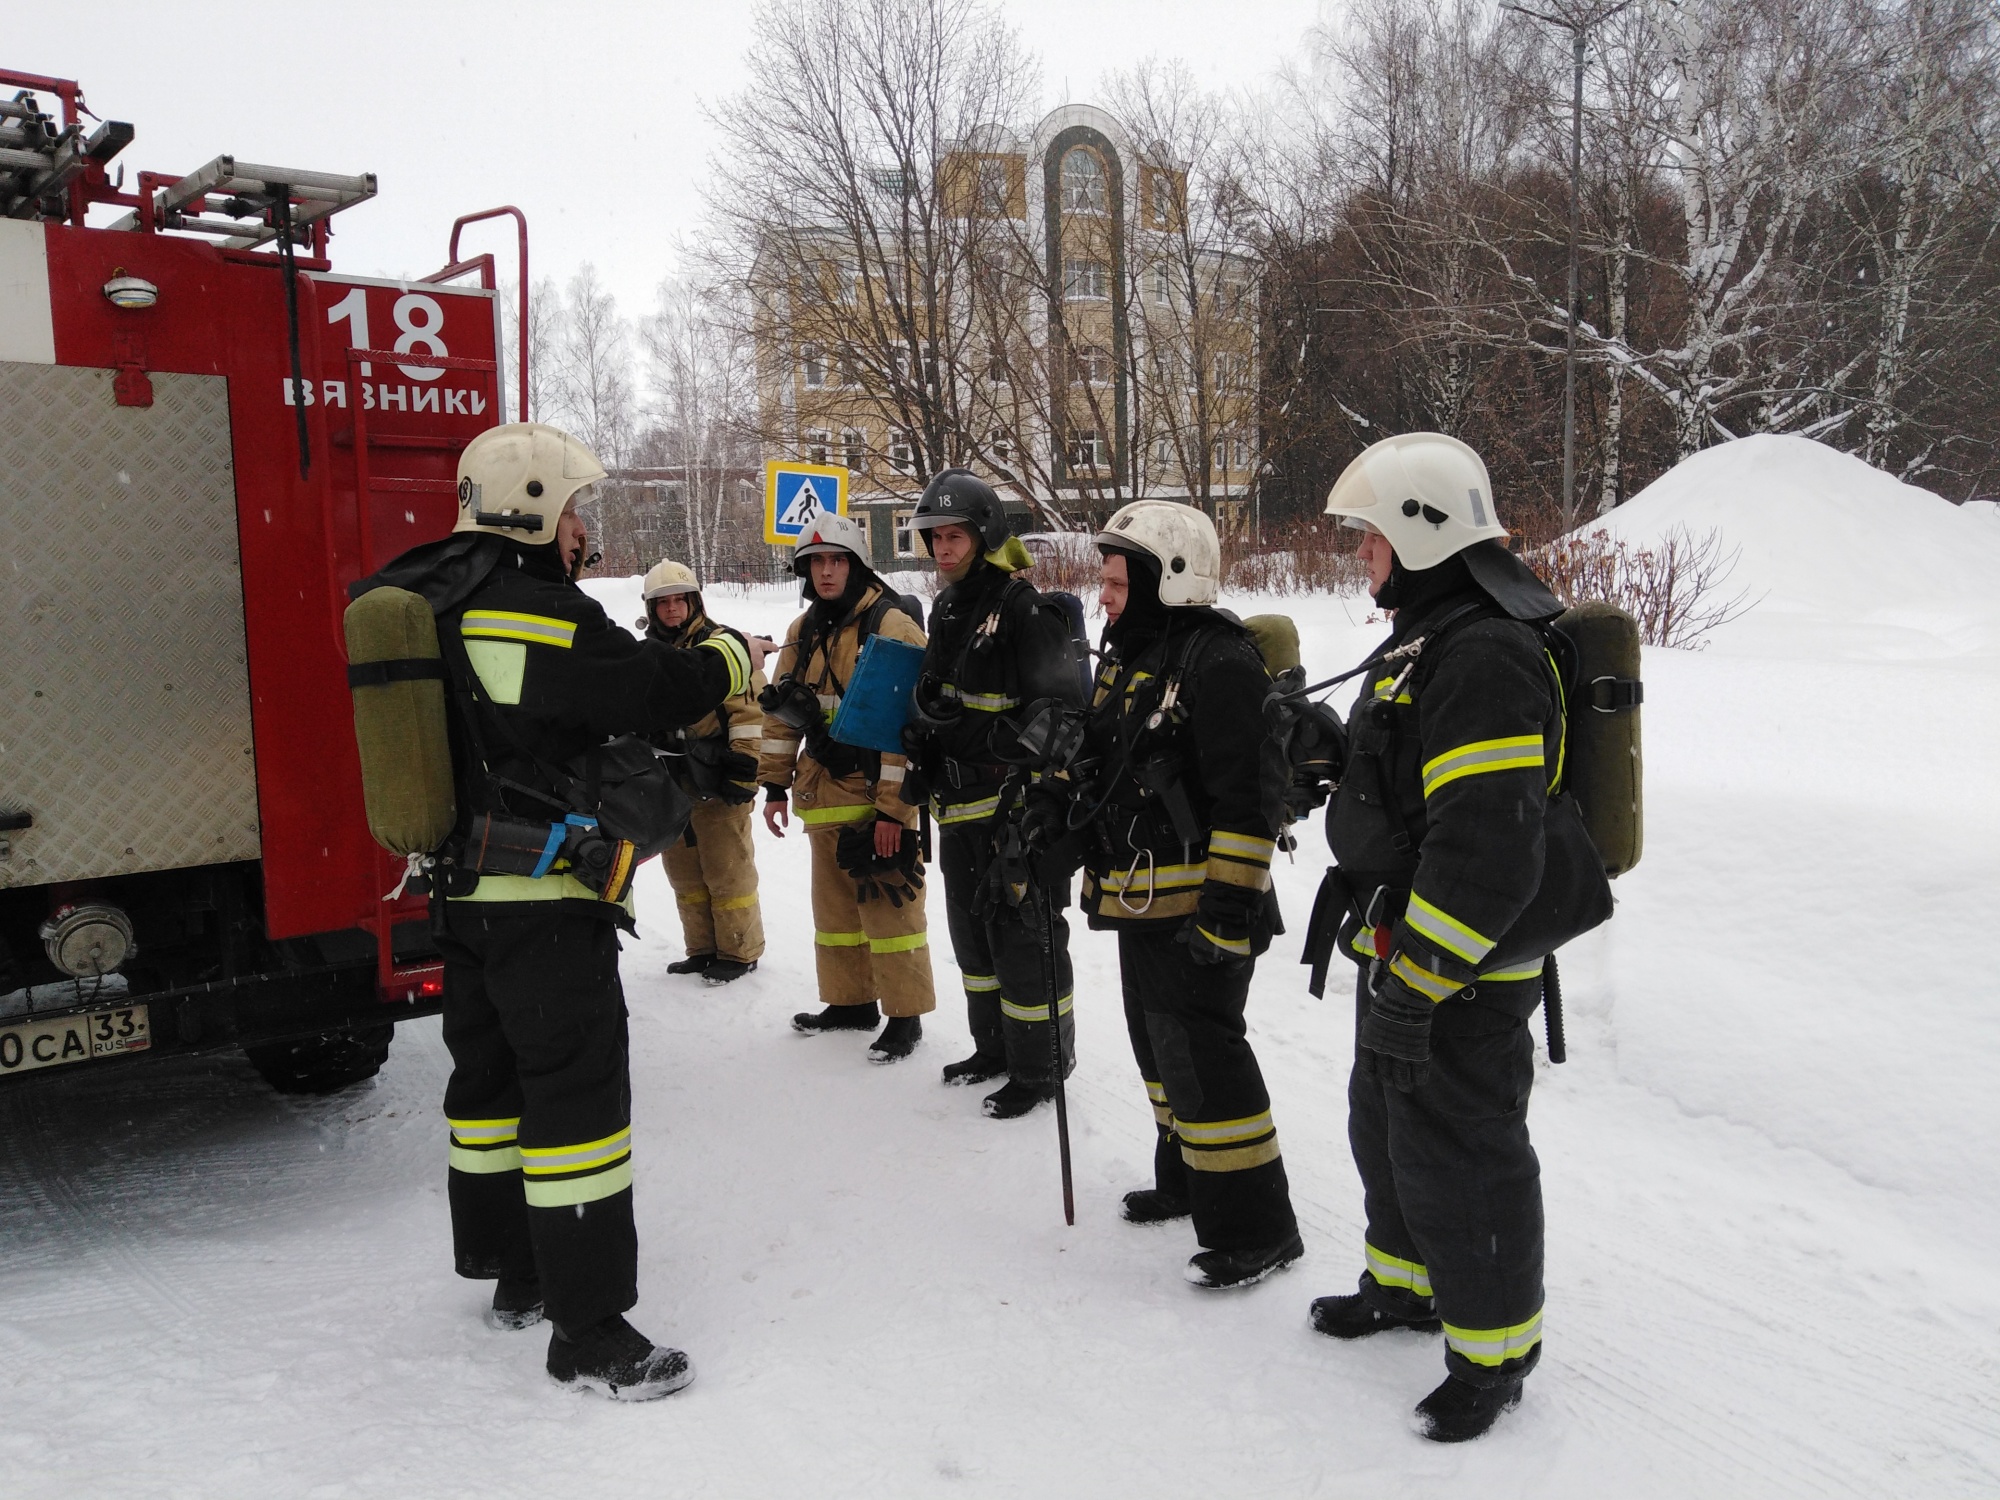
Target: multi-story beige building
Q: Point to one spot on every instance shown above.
(1049, 312)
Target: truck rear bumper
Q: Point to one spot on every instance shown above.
(245, 1011)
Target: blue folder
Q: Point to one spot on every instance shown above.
(876, 706)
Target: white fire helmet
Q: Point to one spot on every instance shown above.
(1181, 537)
(669, 577)
(516, 480)
(830, 532)
(1427, 493)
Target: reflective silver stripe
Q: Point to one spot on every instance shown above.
(545, 1159)
(1423, 981)
(1494, 1346)
(732, 652)
(1224, 1132)
(1504, 976)
(991, 703)
(892, 774)
(507, 625)
(1033, 1013)
(1514, 752)
(967, 812)
(484, 1132)
(980, 984)
(778, 747)
(1394, 1271)
(1242, 846)
(1442, 928)
(745, 731)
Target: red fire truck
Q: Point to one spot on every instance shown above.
(205, 435)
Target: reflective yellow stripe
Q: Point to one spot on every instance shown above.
(841, 939)
(1224, 1132)
(1164, 877)
(909, 942)
(992, 703)
(1033, 1013)
(692, 898)
(1383, 685)
(1225, 869)
(1442, 928)
(484, 1132)
(545, 1160)
(557, 887)
(1515, 753)
(1239, 946)
(1235, 1159)
(566, 1192)
(1393, 1270)
(967, 812)
(980, 984)
(731, 650)
(1364, 942)
(506, 625)
(1156, 1094)
(1422, 980)
(814, 817)
(1494, 1346)
(736, 903)
(1504, 976)
(1241, 846)
(484, 1163)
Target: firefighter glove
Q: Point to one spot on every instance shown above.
(897, 878)
(1397, 1030)
(739, 778)
(1228, 924)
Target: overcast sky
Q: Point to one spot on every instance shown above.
(588, 114)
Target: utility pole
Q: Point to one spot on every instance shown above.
(1577, 21)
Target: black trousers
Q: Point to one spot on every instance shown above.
(1217, 1146)
(539, 1105)
(1001, 961)
(1453, 1189)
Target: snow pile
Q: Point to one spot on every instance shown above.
(1820, 532)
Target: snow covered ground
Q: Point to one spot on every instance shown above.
(1770, 1165)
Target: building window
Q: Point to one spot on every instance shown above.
(1163, 451)
(998, 371)
(1233, 289)
(1090, 364)
(1082, 182)
(902, 453)
(1160, 285)
(906, 539)
(815, 365)
(818, 445)
(1232, 372)
(1088, 450)
(853, 448)
(1232, 454)
(864, 519)
(1086, 281)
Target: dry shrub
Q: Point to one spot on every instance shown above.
(1673, 589)
(1302, 555)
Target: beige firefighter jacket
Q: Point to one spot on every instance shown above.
(818, 797)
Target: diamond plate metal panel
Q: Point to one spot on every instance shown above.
(124, 693)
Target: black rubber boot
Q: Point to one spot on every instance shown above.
(1013, 1099)
(1221, 1269)
(1459, 1411)
(898, 1040)
(694, 963)
(1355, 1317)
(978, 1068)
(516, 1305)
(838, 1018)
(727, 970)
(1151, 1206)
(617, 1359)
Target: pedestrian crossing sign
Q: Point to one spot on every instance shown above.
(796, 495)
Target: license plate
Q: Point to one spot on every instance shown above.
(72, 1039)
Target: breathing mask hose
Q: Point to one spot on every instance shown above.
(281, 211)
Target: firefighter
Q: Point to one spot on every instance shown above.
(1188, 798)
(539, 1100)
(1437, 828)
(994, 649)
(869, 940)
(713, 868)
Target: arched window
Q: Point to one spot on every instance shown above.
(1082, 182)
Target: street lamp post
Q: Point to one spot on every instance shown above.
(1577, 21)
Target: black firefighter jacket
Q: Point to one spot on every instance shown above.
(1438, 823)
(1206, 679)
